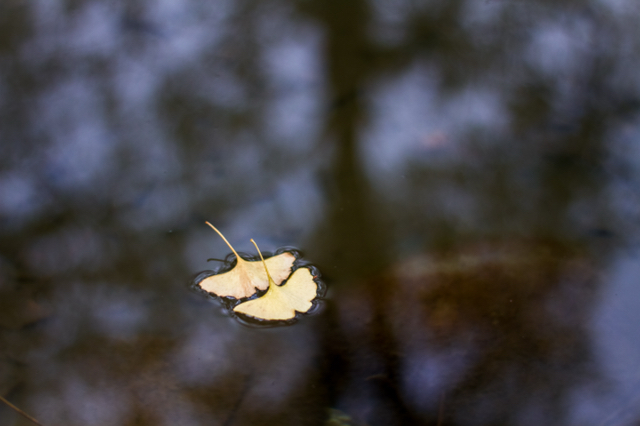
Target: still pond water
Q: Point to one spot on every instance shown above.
(464, 174)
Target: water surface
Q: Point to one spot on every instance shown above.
(464, 174)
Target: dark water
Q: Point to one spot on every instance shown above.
(465, 175)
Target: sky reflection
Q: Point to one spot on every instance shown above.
(464, 175)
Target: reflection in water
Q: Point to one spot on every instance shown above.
(519, 315)
(465, 174)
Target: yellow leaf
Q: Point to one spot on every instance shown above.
(247, 276)
(281, 302)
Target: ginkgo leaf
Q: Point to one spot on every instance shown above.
(281, 302)
(247, 276)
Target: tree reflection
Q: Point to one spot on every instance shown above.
(445, 163)
(513, 291)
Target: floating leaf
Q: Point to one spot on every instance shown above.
(247, 276)
(281, 302)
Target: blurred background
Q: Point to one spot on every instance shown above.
(464, 173)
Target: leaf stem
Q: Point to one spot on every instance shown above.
(263, 262)
(225, 240)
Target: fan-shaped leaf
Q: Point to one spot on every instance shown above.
(247, 276)
(281, 302)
